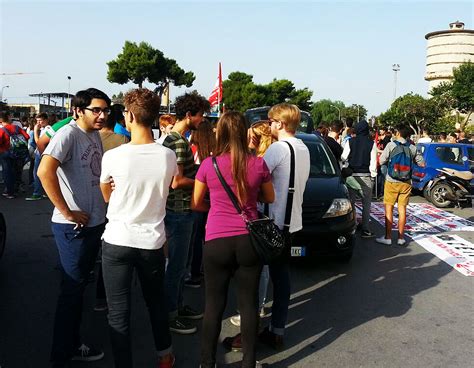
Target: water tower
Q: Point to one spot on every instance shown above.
(447, 50)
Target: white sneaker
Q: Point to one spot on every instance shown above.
(401, 242)
(383, 240)
(235, 320)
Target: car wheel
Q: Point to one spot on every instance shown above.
(3, 234)
(437, 194)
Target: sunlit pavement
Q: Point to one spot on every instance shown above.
(387, 307)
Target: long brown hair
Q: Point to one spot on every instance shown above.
(232, 138)
(205, 140)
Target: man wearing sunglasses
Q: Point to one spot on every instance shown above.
(70, 173)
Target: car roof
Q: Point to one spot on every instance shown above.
(308, 137)
(444, 144)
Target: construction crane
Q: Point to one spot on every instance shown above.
(21, 73)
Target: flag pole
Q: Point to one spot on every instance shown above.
(219, 92)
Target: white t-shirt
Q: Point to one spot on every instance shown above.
(425, 140)
(142, 176)
(80, 154)
(277, 158)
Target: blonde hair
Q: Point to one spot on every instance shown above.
(288, 114)
(262, 130)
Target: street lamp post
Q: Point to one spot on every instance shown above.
(1, 93)
(338, 110)
(69, 93)
(396, 69)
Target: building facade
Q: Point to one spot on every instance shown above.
(447, 50)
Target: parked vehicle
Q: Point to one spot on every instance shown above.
(451, 187)
(3, 234)
(261, 113)
(454, 156)
(329, 221)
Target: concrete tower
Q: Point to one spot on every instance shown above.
(447, 50)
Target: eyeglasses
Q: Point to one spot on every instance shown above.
(98, 110)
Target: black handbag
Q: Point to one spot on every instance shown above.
(268, 241)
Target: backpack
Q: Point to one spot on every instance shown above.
(400, 162)
(18, 144)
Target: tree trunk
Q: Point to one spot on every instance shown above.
(140, 84)
(465, 121)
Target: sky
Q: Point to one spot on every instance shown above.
(339, 50)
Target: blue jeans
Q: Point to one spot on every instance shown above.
(8, 169)
(77, 253)
(280, 276)
(37, 187)
(179, 231)
(118, 264)
(197, 242)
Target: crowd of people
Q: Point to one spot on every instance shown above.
(155, 206)
(151, 201)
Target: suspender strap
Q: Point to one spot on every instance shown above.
(291, 190)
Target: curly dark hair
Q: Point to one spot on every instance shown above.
(193, 103)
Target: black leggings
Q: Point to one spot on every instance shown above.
(223, 259)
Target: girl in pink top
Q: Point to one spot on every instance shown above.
(228, 251)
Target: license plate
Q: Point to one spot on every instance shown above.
(298, 251)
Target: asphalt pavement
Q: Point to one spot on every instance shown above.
(387, 307)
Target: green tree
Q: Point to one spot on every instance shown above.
(302, 99)
(241, 93)
(413, 110)
(356, 112)
(463, 91)
(138, 63)
(118, 98)
(325, 111)
(457, 95)
(238, 87)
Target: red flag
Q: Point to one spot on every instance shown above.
(216, 95)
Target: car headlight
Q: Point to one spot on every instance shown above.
(339, 207)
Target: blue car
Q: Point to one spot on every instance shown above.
(455, 156)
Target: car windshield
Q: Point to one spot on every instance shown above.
(321, 164)
(470, 157)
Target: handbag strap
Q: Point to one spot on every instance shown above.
(229, 191)
(291, 190)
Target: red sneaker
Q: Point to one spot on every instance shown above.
(167, 363)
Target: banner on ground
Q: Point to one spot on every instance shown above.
(422, 218)
(452, 249)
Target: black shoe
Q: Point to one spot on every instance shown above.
(189, 313)
(181, 326)
(271, 339)
(86, 353)
(359, 227)
(367, 234)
